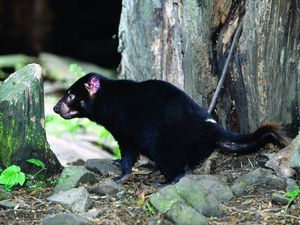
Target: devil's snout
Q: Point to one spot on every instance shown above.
(56, 108)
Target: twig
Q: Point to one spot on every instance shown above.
(234, 209)
(38, 200)
(221, 81)
(249, 160)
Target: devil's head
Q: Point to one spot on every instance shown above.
(78, 98)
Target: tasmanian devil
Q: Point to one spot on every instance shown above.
(156, 119)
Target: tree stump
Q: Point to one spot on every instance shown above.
(22, 133)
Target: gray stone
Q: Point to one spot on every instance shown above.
(104, 167)
(192, 198)
(65, 219)
(160, 222)
(291, 185)
(257, 177)
(106, 187)
(71, 147)
(227, 176)
(165, 198)
(204, 193)
(7, 204)
(245, 204)
(286, 162)
(4, 194)
(184, 214)
(295, 155)
(92, 213)
(280, 199)
(212, 183)
(76, 199)
(73, 176)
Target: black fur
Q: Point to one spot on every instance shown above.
(156, 119)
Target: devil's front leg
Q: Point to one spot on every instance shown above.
(128, 158)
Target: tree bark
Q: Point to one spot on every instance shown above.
(186, 43)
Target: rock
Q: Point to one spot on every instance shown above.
(183, 214)
(93, 213)
(107, 187)
(76, 199)
(286, 162)
(73, 147)
(192, 198)
(227, 176)
(78, 162)
(291, 185)
(65, 219)
(280, 199)
(204, 193)
(73, 176)
(7, 204)
(245, 204)
(104, 167)
(4, 194)
(22, 120)
(57, 67)
(295, 155)
(160, 222)
(165, 198)
(257, 177)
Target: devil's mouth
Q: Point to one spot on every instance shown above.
(65, 112)
(69, 115)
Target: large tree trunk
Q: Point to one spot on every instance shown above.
(186, 43)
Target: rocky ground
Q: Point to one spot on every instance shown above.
(239, 189)
(129, 204)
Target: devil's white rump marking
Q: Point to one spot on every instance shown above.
(210, 121)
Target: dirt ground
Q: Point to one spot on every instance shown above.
(131, 207)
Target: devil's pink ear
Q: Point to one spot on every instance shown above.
(93, 85)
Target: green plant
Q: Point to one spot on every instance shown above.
(150, 209)
(292, 195)
(11, 177)
(76, 70)
(52, 181)
(37, 180)
(37, 162)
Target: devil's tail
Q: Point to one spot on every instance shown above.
(232, 142)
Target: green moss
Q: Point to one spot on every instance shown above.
(7, 141)
(21, 133)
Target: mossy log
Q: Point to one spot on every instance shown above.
(22, 134)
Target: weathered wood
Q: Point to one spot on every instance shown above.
(265, 72)
(168, 40)
(269, 54)
(187, 42)
(22, 134)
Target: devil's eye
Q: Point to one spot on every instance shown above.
(71, 97)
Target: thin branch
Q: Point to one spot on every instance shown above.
(221, 81)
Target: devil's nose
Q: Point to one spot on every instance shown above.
(55, 109)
